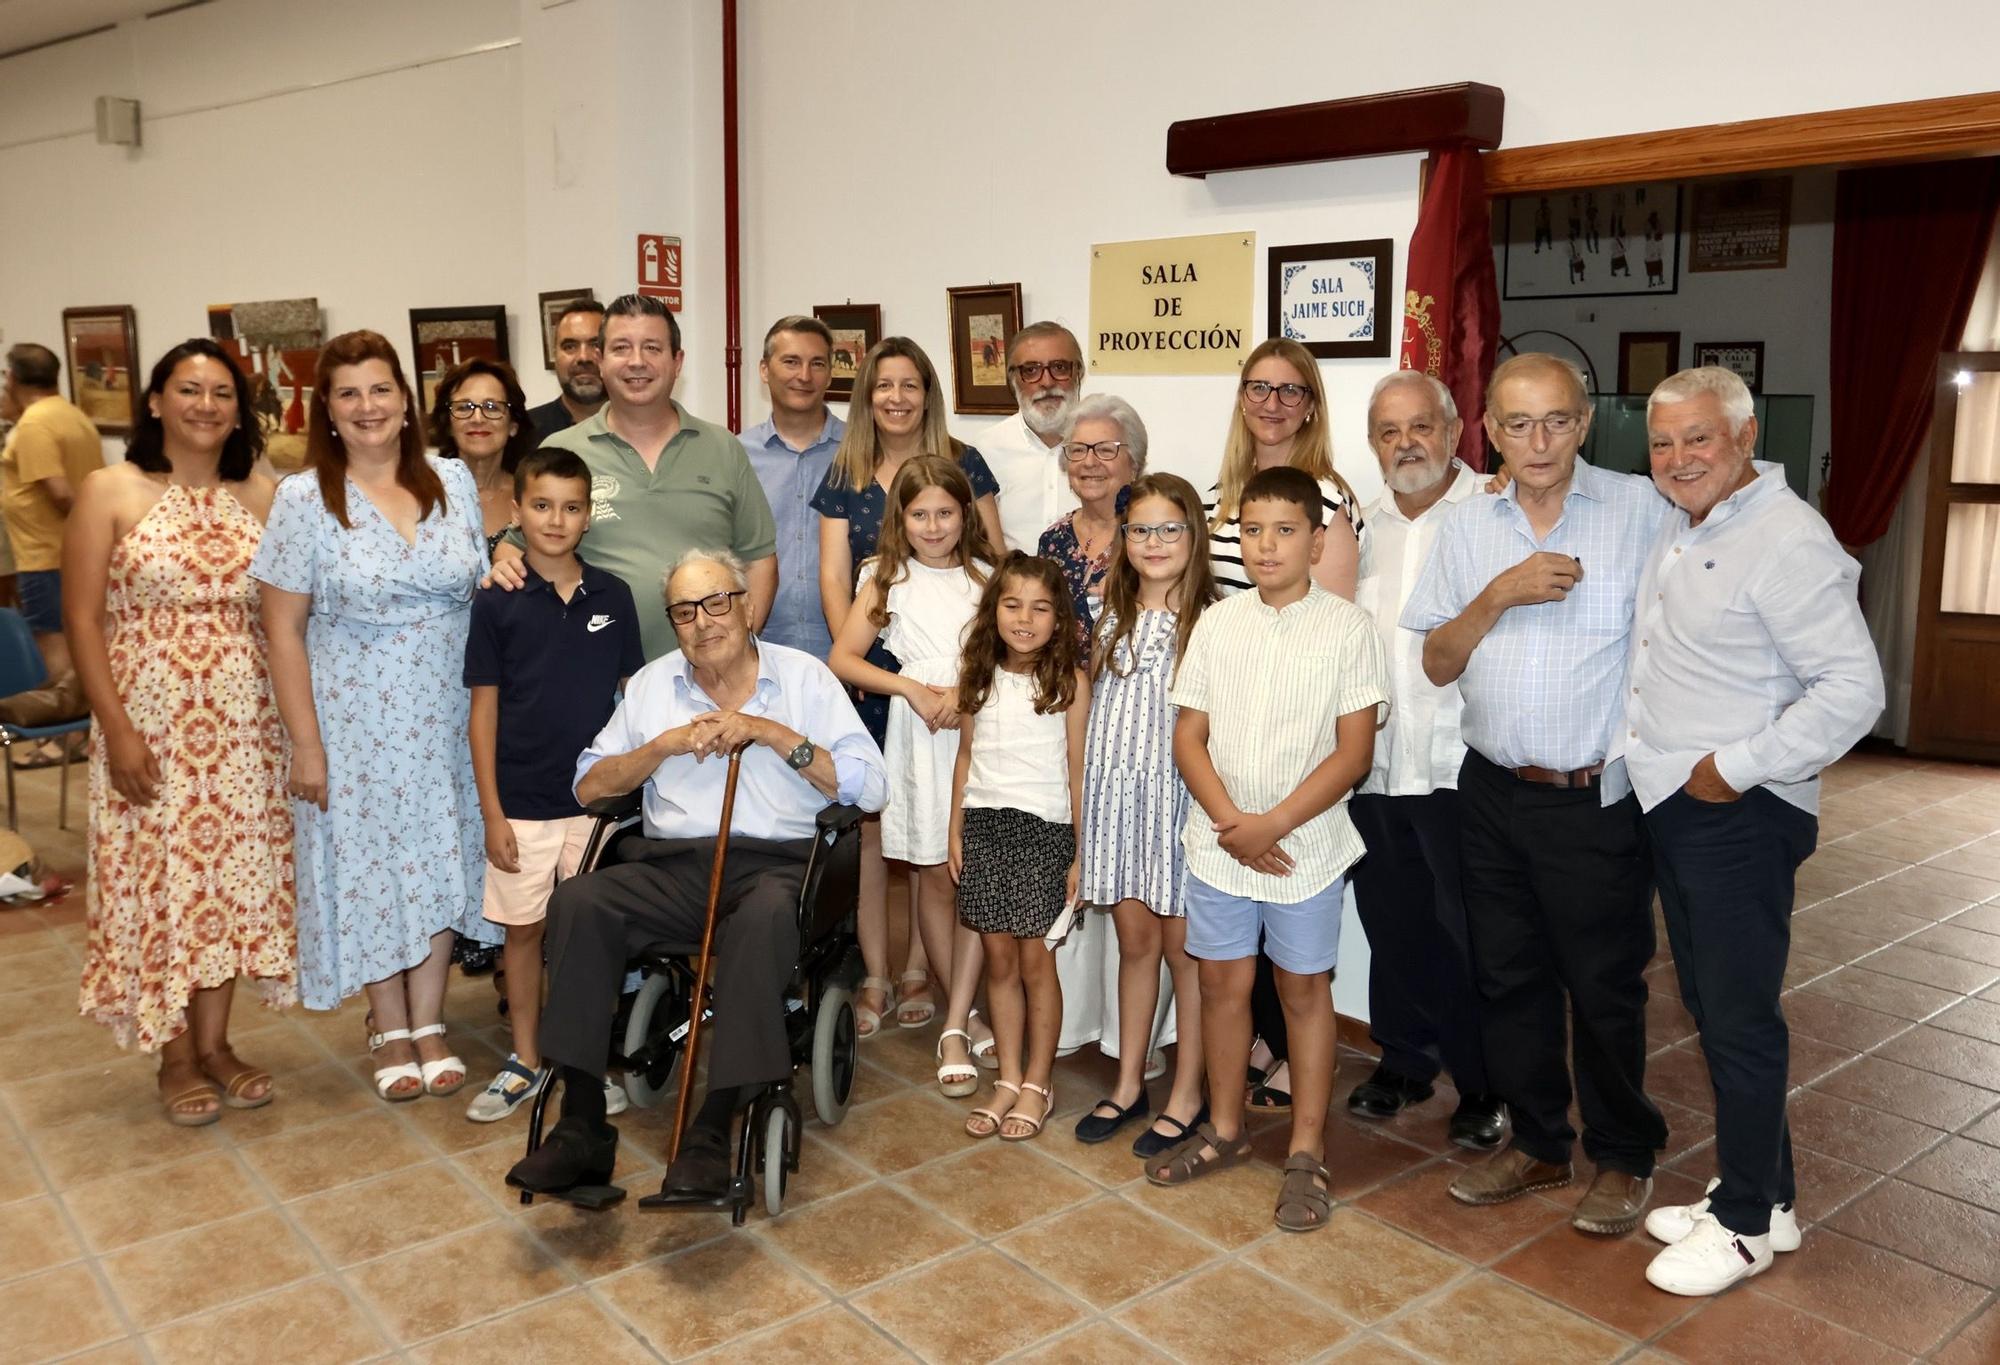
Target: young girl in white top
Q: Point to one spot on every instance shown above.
(1016, 793)
(918, 593)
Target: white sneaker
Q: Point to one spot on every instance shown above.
(615, 1101)
(1708, 1260)
(1671, 1223)
(513, 1087)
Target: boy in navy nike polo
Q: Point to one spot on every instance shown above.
(545, 664)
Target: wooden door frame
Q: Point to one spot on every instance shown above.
(1943, 492)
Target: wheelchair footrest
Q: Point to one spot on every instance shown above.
(737, 1196)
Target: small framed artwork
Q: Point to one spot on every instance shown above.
(1740, 224)
(1744, 359)
(443, 337)
(1593, 243)
(552, 302)
(1646, 358)
(1328, 297)
(855, 327)
(984, 318)
(101, 352)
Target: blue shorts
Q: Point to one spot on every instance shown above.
(41, 599)
(1301, 938)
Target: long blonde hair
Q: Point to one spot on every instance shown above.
(861, 448)
(1312, 447)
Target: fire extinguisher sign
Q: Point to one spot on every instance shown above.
(660, 268)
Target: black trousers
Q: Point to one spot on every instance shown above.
(1558, 898)
(1726, 875)
(1423, 1008)
(600, 921)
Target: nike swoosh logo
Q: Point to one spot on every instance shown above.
(597, 623)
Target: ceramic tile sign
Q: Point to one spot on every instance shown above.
(1329, 296)
(1172, 305)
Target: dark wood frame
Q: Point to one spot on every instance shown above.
(542, 302)
(1672, 258)
(1697, 265)
(1755, 381)
(493, 313)
(865, 316)
(1388, 306)
(1627, 340)
(128, 321)
(962, 301)
(1953, 650)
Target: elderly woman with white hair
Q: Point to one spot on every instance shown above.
(1105, 448)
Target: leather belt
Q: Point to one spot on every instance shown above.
(1555, 777)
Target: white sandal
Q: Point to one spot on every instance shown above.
(956, 1079)
(430, 1071)
(388, 1076)
(994, 1116)
(986, 1051)
(868, 1022)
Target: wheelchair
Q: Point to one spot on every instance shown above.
(650, 1035)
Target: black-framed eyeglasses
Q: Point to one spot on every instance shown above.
(715, 604)
(463, 409)
(1102, 451)
(1291, 395)
(1555, 424)
(1062, 371)
(1166, 532)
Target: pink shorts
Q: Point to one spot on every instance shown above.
(547, 851)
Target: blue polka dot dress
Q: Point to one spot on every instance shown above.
(1134, 801)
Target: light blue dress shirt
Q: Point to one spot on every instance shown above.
(1545, 687)
(1748, 644)
(683, 797)
(790, 478)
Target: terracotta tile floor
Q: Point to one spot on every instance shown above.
(331, 1227)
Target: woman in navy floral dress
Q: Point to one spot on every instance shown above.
(1105, 448)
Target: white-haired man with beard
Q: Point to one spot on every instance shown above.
(1025, 452)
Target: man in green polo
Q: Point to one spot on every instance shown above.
(662, 482)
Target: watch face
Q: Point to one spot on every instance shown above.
(802, 756)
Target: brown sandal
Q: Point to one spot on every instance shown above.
(1303, 1204)
(244, 1079)
(200, 1118)
(1185, 1162)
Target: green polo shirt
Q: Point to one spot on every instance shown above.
(702, 494)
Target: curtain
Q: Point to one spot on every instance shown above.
(1451, 307)
(1909, 246)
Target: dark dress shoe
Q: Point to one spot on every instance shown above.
(1480, 1122)
(575, 1153)
(702, 1168)
(1385, 1095)
(1152, 1142)
(1095, 1127)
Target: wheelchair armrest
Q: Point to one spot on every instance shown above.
(837, 819)
(620, 806)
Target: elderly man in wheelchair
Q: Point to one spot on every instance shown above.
(682, 716)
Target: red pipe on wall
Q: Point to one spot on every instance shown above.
(732, 266)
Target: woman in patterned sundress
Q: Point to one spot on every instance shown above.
(190, 878)
(368, 567)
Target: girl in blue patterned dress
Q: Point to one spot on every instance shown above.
(1134, 801)
(368, 567)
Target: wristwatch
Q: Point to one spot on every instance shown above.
(801, 758)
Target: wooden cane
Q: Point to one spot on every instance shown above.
(698, 1000)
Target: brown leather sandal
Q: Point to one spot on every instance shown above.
(1303, 1204)
(197, 1118)
(1185, 1162)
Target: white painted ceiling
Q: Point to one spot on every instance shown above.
(26, 23)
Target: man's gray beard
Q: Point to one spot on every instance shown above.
(570, 390)
(1417, 478)
(1047, 426)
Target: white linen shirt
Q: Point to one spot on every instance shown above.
(1274, 683)
(1419, 751)
(1033, 479)
(1748, 644)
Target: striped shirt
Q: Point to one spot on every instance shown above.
(1546, 686)
(1225, 542)
(1274, 682)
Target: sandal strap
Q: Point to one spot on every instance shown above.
(243, 1080)
(1305, 1161)
(427, 1031)
(394, 1035)
(953, 1033)
(1046, 1092)
(514, 1066)
(193, 1092)
(877, 983)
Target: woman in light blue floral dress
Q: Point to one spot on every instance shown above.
(369, 563)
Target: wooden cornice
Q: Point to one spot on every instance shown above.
(1466, 114)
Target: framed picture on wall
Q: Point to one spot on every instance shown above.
(1594, 243)
(984, 318)
(551, 303)
(101, 353)
(855, 327)
(277, 342)
(1744, 359)
(443, 337)
(1337, 299)
(1740, 224)
(1646, 358)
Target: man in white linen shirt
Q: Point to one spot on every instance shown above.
(1423, 1008)
(1751, 671)
(1025, 452)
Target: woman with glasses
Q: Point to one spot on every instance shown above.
(480, 416)
(1281, 419)
(1105, 449)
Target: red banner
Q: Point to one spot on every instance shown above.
(1451, 312)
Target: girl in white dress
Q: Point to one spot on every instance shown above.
(917, 594)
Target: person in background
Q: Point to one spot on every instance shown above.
(480, 416)
(1104, 446)
(1045, 371)
(579, 339)
(791, 451)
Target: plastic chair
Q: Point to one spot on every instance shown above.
(22, 668)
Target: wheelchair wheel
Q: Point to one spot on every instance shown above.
(777, 1157)
(834, 1056)
(647, 1023)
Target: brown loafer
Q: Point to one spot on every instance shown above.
(1613, 1203)
(1508, 1175)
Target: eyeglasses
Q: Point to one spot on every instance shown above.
(1062, 371)
(463, 409)
(1166, 532)
(1555, 424)
(715, 604)
(1291, 395)
(1104, 451)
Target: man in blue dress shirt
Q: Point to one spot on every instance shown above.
(1527, 598)
(791, 452)
(1751, 671)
